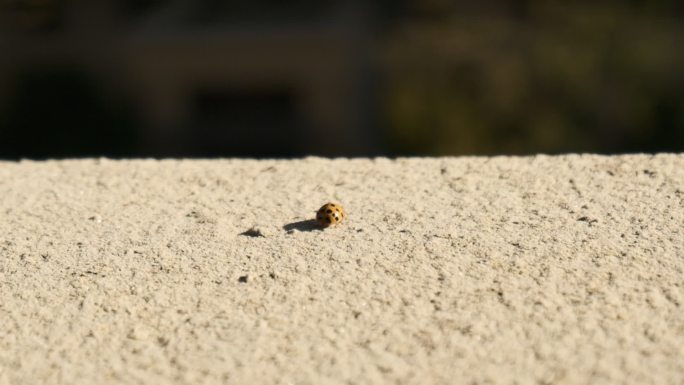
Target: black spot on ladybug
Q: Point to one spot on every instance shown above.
(328, 211)
(328, 219)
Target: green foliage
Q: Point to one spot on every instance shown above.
(581, 78)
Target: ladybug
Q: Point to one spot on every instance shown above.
(330, 214)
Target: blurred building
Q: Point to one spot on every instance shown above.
(270, 78)
(186, 77)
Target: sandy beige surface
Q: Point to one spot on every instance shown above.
(540, 270)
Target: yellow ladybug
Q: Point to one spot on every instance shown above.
(330, 214)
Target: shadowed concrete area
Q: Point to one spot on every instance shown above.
(564, 270)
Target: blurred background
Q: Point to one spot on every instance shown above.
(278, 78)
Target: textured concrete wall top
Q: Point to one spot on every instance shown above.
(539, 270)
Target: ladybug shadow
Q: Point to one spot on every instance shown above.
(307, 225)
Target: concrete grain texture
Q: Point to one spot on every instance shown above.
(504, 270)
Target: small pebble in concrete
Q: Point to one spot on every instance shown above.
(253, 232)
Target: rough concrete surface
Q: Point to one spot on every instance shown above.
(505, 270)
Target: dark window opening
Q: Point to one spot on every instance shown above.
(246, 123)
